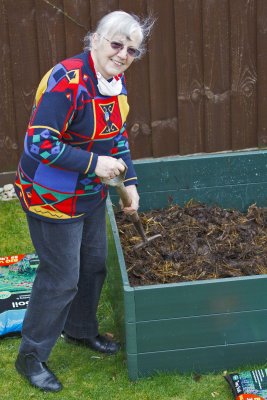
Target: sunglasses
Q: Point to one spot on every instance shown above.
(119, 46)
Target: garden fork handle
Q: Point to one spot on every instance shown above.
(126, 201)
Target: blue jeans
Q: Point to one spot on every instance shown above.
(68, 283)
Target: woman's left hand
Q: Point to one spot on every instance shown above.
(134, 196)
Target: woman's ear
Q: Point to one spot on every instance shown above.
(95, 40)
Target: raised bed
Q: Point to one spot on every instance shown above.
(200, 326)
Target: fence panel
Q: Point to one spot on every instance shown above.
(50, 33)
(202, 86)
(244, 74)
(262, 68)
(216, 75)
(77, 24)
(189, 64)
(162, 73)
(24, 68)
(8, 140)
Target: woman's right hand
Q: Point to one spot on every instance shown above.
(108, 167)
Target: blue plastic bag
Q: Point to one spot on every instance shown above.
(17, 274)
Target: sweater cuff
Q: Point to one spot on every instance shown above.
(91, 163)
(131, 181)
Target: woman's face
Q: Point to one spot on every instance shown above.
(111, 62)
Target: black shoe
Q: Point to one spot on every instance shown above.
(99, 343)
(37, 373)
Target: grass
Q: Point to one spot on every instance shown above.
(83, 373)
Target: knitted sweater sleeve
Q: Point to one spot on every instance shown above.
(53, 111)
(121, 150)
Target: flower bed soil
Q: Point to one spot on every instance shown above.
(198, 242)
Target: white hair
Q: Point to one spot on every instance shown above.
(120, 22)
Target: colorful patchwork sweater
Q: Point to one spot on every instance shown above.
(70, 126)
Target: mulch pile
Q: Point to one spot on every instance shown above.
(198, 242)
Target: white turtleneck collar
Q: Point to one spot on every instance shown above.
(109, 88)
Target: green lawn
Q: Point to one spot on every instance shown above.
(83, 373)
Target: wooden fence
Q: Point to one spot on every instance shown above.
(202, 87)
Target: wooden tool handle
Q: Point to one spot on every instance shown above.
(125, 198)
(126, 201)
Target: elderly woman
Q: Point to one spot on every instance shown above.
(75, 137)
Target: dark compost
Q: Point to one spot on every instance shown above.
(198, 242)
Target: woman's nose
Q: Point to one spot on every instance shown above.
(123, 52)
